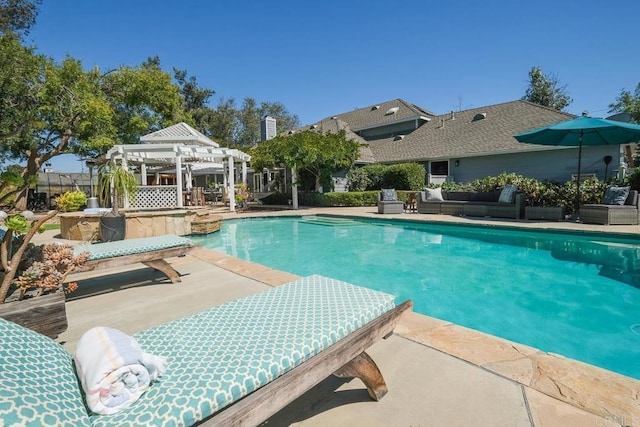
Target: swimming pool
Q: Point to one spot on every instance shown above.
(577, 295)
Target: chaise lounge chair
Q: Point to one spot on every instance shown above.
(234, 364)
(150, 251)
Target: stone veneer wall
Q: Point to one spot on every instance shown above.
(78, 226)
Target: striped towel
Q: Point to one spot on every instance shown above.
(113, 369)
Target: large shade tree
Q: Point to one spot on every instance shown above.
(71, 110)
(18, 16)
(307, 151)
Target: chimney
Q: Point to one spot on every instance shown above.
(267, 128)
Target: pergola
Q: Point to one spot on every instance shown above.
(181, 148)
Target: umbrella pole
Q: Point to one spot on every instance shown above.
(578, 177)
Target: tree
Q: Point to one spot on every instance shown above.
(628, 102)
(22, 74)
(250, 114)
(307, 151)
(545, 89)
(81, 112)
(18, 16)
(223, 122)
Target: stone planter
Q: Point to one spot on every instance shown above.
(45, 314)
(548, 213)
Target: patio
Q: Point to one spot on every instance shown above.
(438, 373)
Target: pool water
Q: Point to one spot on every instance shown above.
(577, 295)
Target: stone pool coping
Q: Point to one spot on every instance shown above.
(590, 388)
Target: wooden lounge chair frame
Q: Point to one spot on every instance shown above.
(345, 359)
(153, 259)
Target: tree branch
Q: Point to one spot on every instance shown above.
(10, 272)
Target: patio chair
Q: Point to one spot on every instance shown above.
(388, 202)
(234, 364)
(150, 251)
(624, 211)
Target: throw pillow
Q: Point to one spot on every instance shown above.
(508, 194)
(389, 195)
(615, 195)
(434, 194)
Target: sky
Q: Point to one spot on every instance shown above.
(321, 58)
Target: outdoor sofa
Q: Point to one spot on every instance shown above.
(150, 251)
(234, 364)
(472, 203)
(610, 212)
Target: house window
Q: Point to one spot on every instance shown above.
(440, 168)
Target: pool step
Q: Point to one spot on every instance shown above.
(330, 221)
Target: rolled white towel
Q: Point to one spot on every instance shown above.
(113, 369)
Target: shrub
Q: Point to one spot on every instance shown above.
(402, 176)
(71, 201)
(633, 180)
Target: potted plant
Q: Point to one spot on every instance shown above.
(115, 183)
(33, 276)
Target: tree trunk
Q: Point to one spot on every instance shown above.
(20, 203)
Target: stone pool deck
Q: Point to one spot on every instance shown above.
(439, 374)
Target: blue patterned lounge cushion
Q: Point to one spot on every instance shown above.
(131, 246)
(217, 356)
(615, 195)
(389, 195)
(38, 384)
(508, 194)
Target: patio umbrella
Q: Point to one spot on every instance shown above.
(580, 131)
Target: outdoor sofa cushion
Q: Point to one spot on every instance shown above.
(388, 195)
(434, 194)
(508, 194)
(214, 357)
(615, 195)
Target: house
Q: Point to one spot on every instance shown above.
(465, 145)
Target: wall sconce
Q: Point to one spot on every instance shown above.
(456, 163)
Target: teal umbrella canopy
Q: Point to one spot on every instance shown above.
(583, 130)
(580, 131)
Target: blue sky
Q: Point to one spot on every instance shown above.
(323, 58)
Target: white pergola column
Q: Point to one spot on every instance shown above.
(244, 172)
(232, 190)
(179, 179)
(188, 176)
(143, 174)
(124, 165)
(294, 187)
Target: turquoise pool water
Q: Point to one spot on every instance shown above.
(575, 295)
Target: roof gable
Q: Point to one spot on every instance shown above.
(394, 111)
(180, 133)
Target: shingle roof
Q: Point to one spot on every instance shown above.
(486, 130)
(178, 133)
(380, 114)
